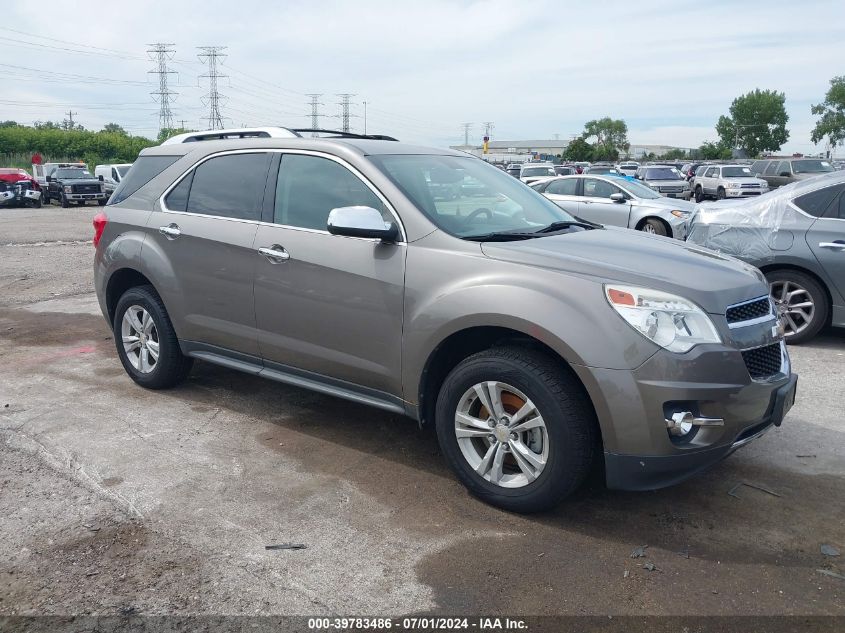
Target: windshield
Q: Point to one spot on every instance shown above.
(811, 166)
(736, 172)
(67, 174)
(640, 190)
(482, 200)
(122, 170)
(538, 171)
(661, 173)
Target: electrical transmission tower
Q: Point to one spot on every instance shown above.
(344, 110)
(315, 111)
(212, 55)
(467, 127)
(161, 53)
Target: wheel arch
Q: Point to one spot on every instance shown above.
(119, 282)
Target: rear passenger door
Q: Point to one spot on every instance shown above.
(708, 181)
(826, 237)
(204, 234)
(564, 193)
(330, 307)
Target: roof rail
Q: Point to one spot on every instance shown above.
(339, 134)
(218, 135)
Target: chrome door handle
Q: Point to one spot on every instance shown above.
(276, 254)
(171, 231)
(840, 246)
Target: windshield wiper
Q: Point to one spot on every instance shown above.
(560, 226)
(500, 237)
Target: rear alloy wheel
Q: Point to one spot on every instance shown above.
(146, 342)
(801, 303)
(516, 428)
(653, 226)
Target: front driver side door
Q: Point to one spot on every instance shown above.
(596, 205)
(330, 308)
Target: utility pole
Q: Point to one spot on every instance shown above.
(161, 53)
(70, 119)
(211, 55)
(344, 110)
(365, 118)
(182, 124)
(467, 127)
(488, 129)
(315, 111)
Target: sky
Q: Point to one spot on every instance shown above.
(534, 68)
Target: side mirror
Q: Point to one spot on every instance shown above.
(363, 222)
(100, 177)
(49, 179)
(617, 197)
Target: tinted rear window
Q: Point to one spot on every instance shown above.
(230, 186)
(816, 202)
(142, 171)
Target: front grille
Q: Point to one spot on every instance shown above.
(763, 362)
(86, 188)
(750, 186)
(671, 189)
(749, 310)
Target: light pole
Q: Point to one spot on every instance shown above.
(365, 118)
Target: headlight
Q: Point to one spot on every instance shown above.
(734, 185)
(679, 214)
(672, 322)
(68, 188)
(102, 188)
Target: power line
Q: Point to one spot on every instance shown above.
(344, 110)
(161, 53)
(467, 127)
(212, 56)
(315, 111)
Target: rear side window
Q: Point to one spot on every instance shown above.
(177, 199)
(230, 186)
(816, 202)
(563, 187)
(143, 171)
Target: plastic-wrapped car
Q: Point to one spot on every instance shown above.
(796, 236)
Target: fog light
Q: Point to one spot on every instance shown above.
(681, 423)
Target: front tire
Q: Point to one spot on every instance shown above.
(65, 204)
(699, 194)
(146, 341)
(720, 193)
(801, 303)
(655, 227)
(535, 447)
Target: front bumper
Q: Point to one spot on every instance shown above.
(648, 472)
(87, 196)
(744, 193)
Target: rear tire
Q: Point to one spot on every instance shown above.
(170, 366)
(805, 321)
(566, 442)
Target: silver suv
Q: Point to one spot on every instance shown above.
(537, 345)
(728, 181)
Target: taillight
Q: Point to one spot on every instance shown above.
(100, 221)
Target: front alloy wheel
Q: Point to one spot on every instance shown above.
(140, 339)
(501, 434)
(802, 305)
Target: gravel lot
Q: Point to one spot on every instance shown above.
(117, 498)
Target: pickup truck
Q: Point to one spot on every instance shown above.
(74, 184)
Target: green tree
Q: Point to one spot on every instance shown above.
(578, 149)
(713, 151)
(166, 132)
(8, 124)
(611, 137)
(757, 123)
(674, 154)
(832, 112)
(114, 128)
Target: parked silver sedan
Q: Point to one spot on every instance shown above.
(616, 201)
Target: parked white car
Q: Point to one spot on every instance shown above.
(112, 174)
(728, 181)
(617, 201)
(532, 172)
(628, 168)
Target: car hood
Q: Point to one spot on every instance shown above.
(746, 180)
(712, 280)
(665, 203)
